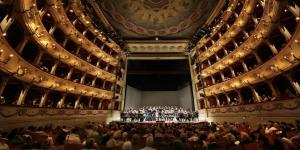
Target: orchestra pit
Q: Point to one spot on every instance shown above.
(150, 74)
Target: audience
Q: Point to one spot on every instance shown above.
(156, 136)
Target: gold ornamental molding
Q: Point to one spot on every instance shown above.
(286, 59)
(12, 63)
(232, 32)
(31, 19)
(227, 14)
(264, 29)
(157, 46)
(13, 111)
(269, 106)
(57, 11)
(76, 8)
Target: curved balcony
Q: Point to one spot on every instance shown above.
(60, 18)
(233, 31)
(263, 29)
(14, 65)
(287, 58)
(32, 21)
(76, 6)
(217, 28)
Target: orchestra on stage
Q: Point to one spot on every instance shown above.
(159, 113)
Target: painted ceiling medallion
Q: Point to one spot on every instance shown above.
(157, 17)
(156, 5)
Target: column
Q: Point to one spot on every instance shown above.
(21, 45)
(227, 98)
(100, 104)
(257, 57)
(207, 103)
(293, 83)
(232, 72)
(217, 100)
(22, 95)
(61, 101)
(38, 58)
(70, 73)
(4, 81)
(111, 105)
(257, 98)
(6, 22)
(94, 81)
(82, 78)
(272, 47)
(77, 102)
(240, 99)
(285, 32)
(90, 102)
(244, 66)
(53, 69)
(213, 80)
(44, 98)
(222, 76)
(209, 63)
(273, 90)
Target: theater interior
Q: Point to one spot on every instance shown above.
(73, 74)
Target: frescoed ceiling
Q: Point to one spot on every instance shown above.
(167, 19)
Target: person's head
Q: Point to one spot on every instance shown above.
(125, 135)
(90, 144)
(149, 141)
(127, 145)
(229, 139)
(178, 145)
(117, 134)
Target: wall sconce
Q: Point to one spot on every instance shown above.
(297, 42)
(54, 85)
(261, 76)
(223, 89)
(291, 57)
(37, 79)
(4, 59)
(275, 68)
(232, 85)
(245, 81)
(21, 71)
(69, 89)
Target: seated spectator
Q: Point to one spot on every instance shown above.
(73, 137)
(2, 100)
(127, 145)
(149, 143)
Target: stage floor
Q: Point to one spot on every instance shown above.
(199, 121)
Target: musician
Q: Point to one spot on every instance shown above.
(159, 113)
(123, 116)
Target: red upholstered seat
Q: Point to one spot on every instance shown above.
(72, 147)
(251, 146)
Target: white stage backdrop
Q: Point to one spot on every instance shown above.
(136, 98)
